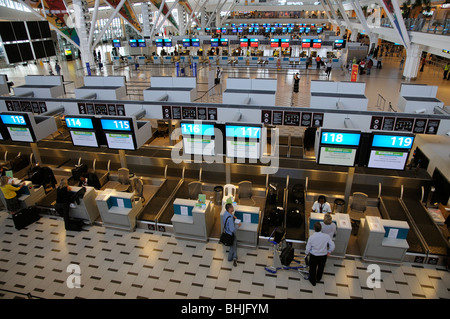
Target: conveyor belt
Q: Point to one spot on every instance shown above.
(396, 212)
(432, 235)
(182, 192)
(153, 207)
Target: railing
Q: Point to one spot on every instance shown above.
(440, 27)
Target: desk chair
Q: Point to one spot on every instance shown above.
(138, 186)
(357, 209)
(245, 193)
(124, 180)
(194, 188)
(228, 190)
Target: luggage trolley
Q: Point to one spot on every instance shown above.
(283, 255)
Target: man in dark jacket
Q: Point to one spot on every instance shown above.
(90, 179)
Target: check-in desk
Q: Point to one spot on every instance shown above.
(176, 89)
(284, 61)
(167, 59)
(191, 221)
(213, 60)
(156, 60)
(343, 230)
(382, 239)
(253, 60)
(420, 98)
(328, 94)
(224, 60)
(48, 86)
(118, 209)
(28, 195)
(87, 208)
(104, 87)
(254, 91)
(249, 216)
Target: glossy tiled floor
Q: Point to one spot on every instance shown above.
(143, 264)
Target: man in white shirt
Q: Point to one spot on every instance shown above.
(321, 205)
(319, 247)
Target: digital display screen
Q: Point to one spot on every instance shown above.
(116, 125)
(159, 43)
(339, 44)
(198, 146)
(317, 43)
(186, 43)
(214, 42)
(243, 149)
(20, 134)
(337, 156)
(13, 119)
(224, 42)
(79, 122)
(274, 43)
(340, 138)
(243, 43)
(116, 43)
(254, 42)
(306, 43)
(195, 42)
(197, 129)
(392, 141)
(243, 131)
(84, 138)
(141, 43)
(167, 42)
(284, 43)
(387, 159)
(133, 43)
(120, 141)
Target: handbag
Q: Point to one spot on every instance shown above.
(226, 238)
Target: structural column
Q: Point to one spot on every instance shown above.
(412, 63)
(83, 34)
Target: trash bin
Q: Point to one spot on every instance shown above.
(218, 194)
(339, 205)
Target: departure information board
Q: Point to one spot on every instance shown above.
(338, 147)
(198, 138)
(243, 141)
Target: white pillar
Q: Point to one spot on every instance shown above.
(412, 62)
(83, 34)
(354, 35)
(146, 18)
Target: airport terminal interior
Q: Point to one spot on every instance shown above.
(173, 109)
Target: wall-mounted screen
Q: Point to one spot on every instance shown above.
(306, 43)
(133, 43)
(317, 43)
(214, 42)
(393, 141)
(387, 159)
(116, 125)
(285, 43)
(254, 43)
(14, 119)
(243, 141)
(340, 138)
(223, 42)
(186, 43)
(84, 138)
(195, 42)
(120, 141)
(79, 122)
(167, 42)
(141, 43)
(339, 44)
(159, 43)
(243, 43)
(337, 156)
(116, 43)
(274, 43)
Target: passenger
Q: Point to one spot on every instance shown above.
(318, 247)
(90, 179)
(230, 228)
(63, 200)
(321, 205)
(328, 70)
(296, 82)
(2, 171)
(9, 191)
(328, 227)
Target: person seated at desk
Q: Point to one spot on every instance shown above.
(321, 205)
(90, 179)
(9, 191)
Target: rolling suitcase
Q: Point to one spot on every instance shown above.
(78, 171)
(25, 217)
(276, 217)
(294, 218)
(287, 255)
(298, 194)
(19, 163)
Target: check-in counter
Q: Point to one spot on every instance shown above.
(382, 239)
(420, 98)
(328, 94)
(192, 221)
(242, 60)
(28, 195)
(249, 217)
(224, 60)
(116, 60)
(254, 91)
(176, 89)
(253, 60)
(272, 61)
(302, 63)
(104, 87)
(118, 209)
(213, 59)
(284, 61)
(42, 86)
(87, 208)
(156, 60)
(167, 60)
(343, 230)
(185, 59)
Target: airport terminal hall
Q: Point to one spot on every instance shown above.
(224, 157)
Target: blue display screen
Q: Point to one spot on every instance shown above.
(186, 43)
(393, 141)
(79, 122)
(133, 43)
(13, 119)
(243, 131)
(340, 138)
(116, 125)
(142, 42)
(159, 43)
(195, 42)
(197, 129)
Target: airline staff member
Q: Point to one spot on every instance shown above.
(321, 205)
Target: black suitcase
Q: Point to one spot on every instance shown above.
(298, 194)
(75, 225)
(25, 217)
(279, 234)
(19, 163)
(276, 217)
(273, 194)
(287, 255)
(78, 171)
(294, 218)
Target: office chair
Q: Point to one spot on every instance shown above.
(194, 188)
(124, 180)
(228, 190)
(138, 186)
(245, 193)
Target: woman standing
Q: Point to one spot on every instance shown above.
(9, 191)
(296, 82)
